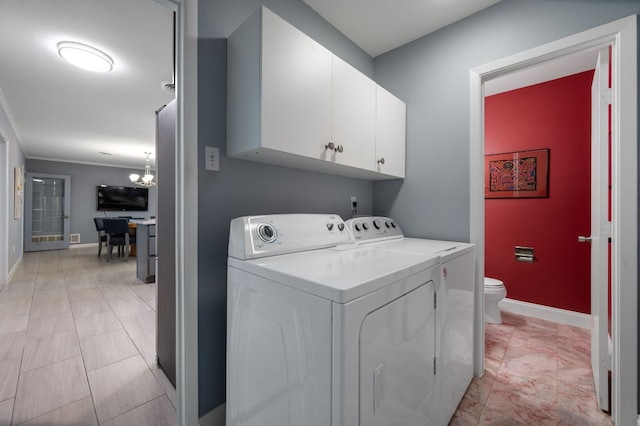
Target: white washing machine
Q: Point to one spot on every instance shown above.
(455, 303)
(321, 331)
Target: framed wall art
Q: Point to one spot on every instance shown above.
(520, 174)
(18, 180)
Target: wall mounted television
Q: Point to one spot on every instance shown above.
(122, 198)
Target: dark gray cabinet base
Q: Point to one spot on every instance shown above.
(146, 252)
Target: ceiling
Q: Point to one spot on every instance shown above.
(378, 26)
(64, 113)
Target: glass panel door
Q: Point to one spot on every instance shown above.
(47, 205)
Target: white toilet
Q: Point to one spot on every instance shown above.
(494, 291)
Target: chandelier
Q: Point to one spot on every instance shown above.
(147, 179)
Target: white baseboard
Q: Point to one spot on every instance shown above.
(83, 245)
(215, 417)
(15, 268)
(561, 316)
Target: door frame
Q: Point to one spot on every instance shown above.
(622, 35)
(4, 210)
(186, 202)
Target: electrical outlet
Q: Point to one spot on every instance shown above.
(211, 159)
(354, 199)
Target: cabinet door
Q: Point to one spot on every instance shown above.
(390, 134)
(353, 117)
(296, 90)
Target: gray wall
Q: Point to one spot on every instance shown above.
(432, 76)
(84, 180)
(13, 240)
(246, 188)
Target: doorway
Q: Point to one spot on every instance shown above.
(46, 210)
(622, 35)
(545, 126)
(4, 211)
(186, 219)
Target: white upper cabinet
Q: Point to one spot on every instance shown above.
(291, 102)
(296, 90)
(391, 121)
(353, 116)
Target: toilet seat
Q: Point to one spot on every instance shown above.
(497, 290)
(492, 282)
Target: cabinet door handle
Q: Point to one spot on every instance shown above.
(381, 160)
(339, 148)
(330, 145)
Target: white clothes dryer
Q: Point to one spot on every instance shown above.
(455, 303)
(324, 332)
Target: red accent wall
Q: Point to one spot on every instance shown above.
(554, 115)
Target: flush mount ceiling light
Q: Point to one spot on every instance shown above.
(147, 179)
(85, 57)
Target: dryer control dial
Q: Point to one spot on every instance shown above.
(267, 233)
(376, 224)
(365, 226)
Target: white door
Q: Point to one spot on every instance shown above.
(600, 227)
(47, 207)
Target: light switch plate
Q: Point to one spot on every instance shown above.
(211, 159)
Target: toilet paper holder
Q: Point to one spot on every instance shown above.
(524, 254)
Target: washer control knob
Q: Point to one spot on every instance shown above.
(376, 224)
(365, 226)
(393, 224)
(388, 224)
(357, 226)
(330, 226)
(267, 233)
(341, 226)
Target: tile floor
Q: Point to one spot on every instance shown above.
(536, 373)
(77, 344)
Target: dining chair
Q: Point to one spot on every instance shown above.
(102, 237)
(117, 231)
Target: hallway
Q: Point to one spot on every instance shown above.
(77, 344)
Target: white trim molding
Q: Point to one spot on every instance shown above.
(14, 269)
(621, 35)
(186, 226)
(561, 316)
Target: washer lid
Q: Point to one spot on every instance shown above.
(338, 275)
(447, 250)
